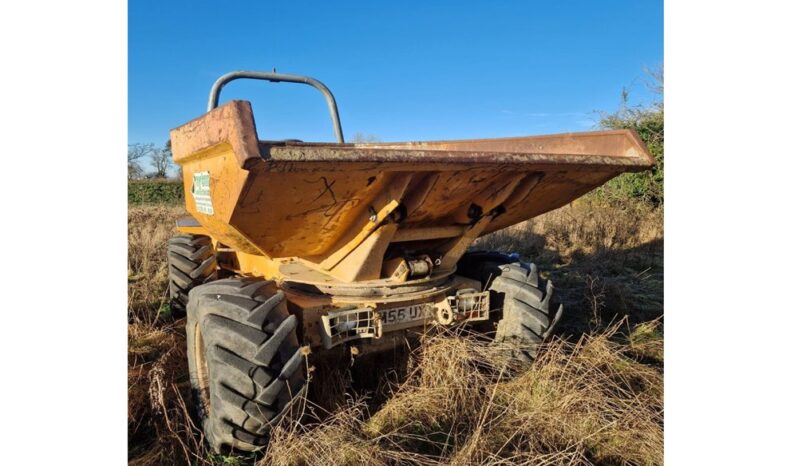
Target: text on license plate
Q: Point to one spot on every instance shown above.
(405, 314)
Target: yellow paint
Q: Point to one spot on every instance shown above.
(333, 208)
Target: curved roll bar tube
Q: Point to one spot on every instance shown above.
(216, 89)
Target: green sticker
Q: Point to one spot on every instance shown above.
(201, 190)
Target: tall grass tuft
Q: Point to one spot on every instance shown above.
(589, 403)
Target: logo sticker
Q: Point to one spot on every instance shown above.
(201, 190)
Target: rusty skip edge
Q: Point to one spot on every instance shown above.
(233, 124)
(541, 161)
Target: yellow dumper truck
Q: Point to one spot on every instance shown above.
(294, 247)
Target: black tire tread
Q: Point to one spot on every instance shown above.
(528, 313)
(253, 373)
(192, 262)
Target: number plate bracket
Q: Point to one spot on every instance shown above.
(349, 324)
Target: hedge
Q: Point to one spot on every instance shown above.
(155, 192)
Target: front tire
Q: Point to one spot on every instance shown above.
(245, 362)
(527, 313)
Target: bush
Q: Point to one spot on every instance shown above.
(155, 192)
(649, 122)
(645, 186)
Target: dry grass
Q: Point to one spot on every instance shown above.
(160, 430)
(149, 227)
(606, 261)
(594, 397)
(584, 403)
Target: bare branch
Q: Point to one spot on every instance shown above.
(364, 138)
(136, 152)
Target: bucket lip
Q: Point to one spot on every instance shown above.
(233, 124)
(403, 144)
(631, 154)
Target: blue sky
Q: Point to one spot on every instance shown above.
(399, 70)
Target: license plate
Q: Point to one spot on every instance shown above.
(402, 315)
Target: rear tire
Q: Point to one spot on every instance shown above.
(527, 313)
(245, 362)
(192, 262)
